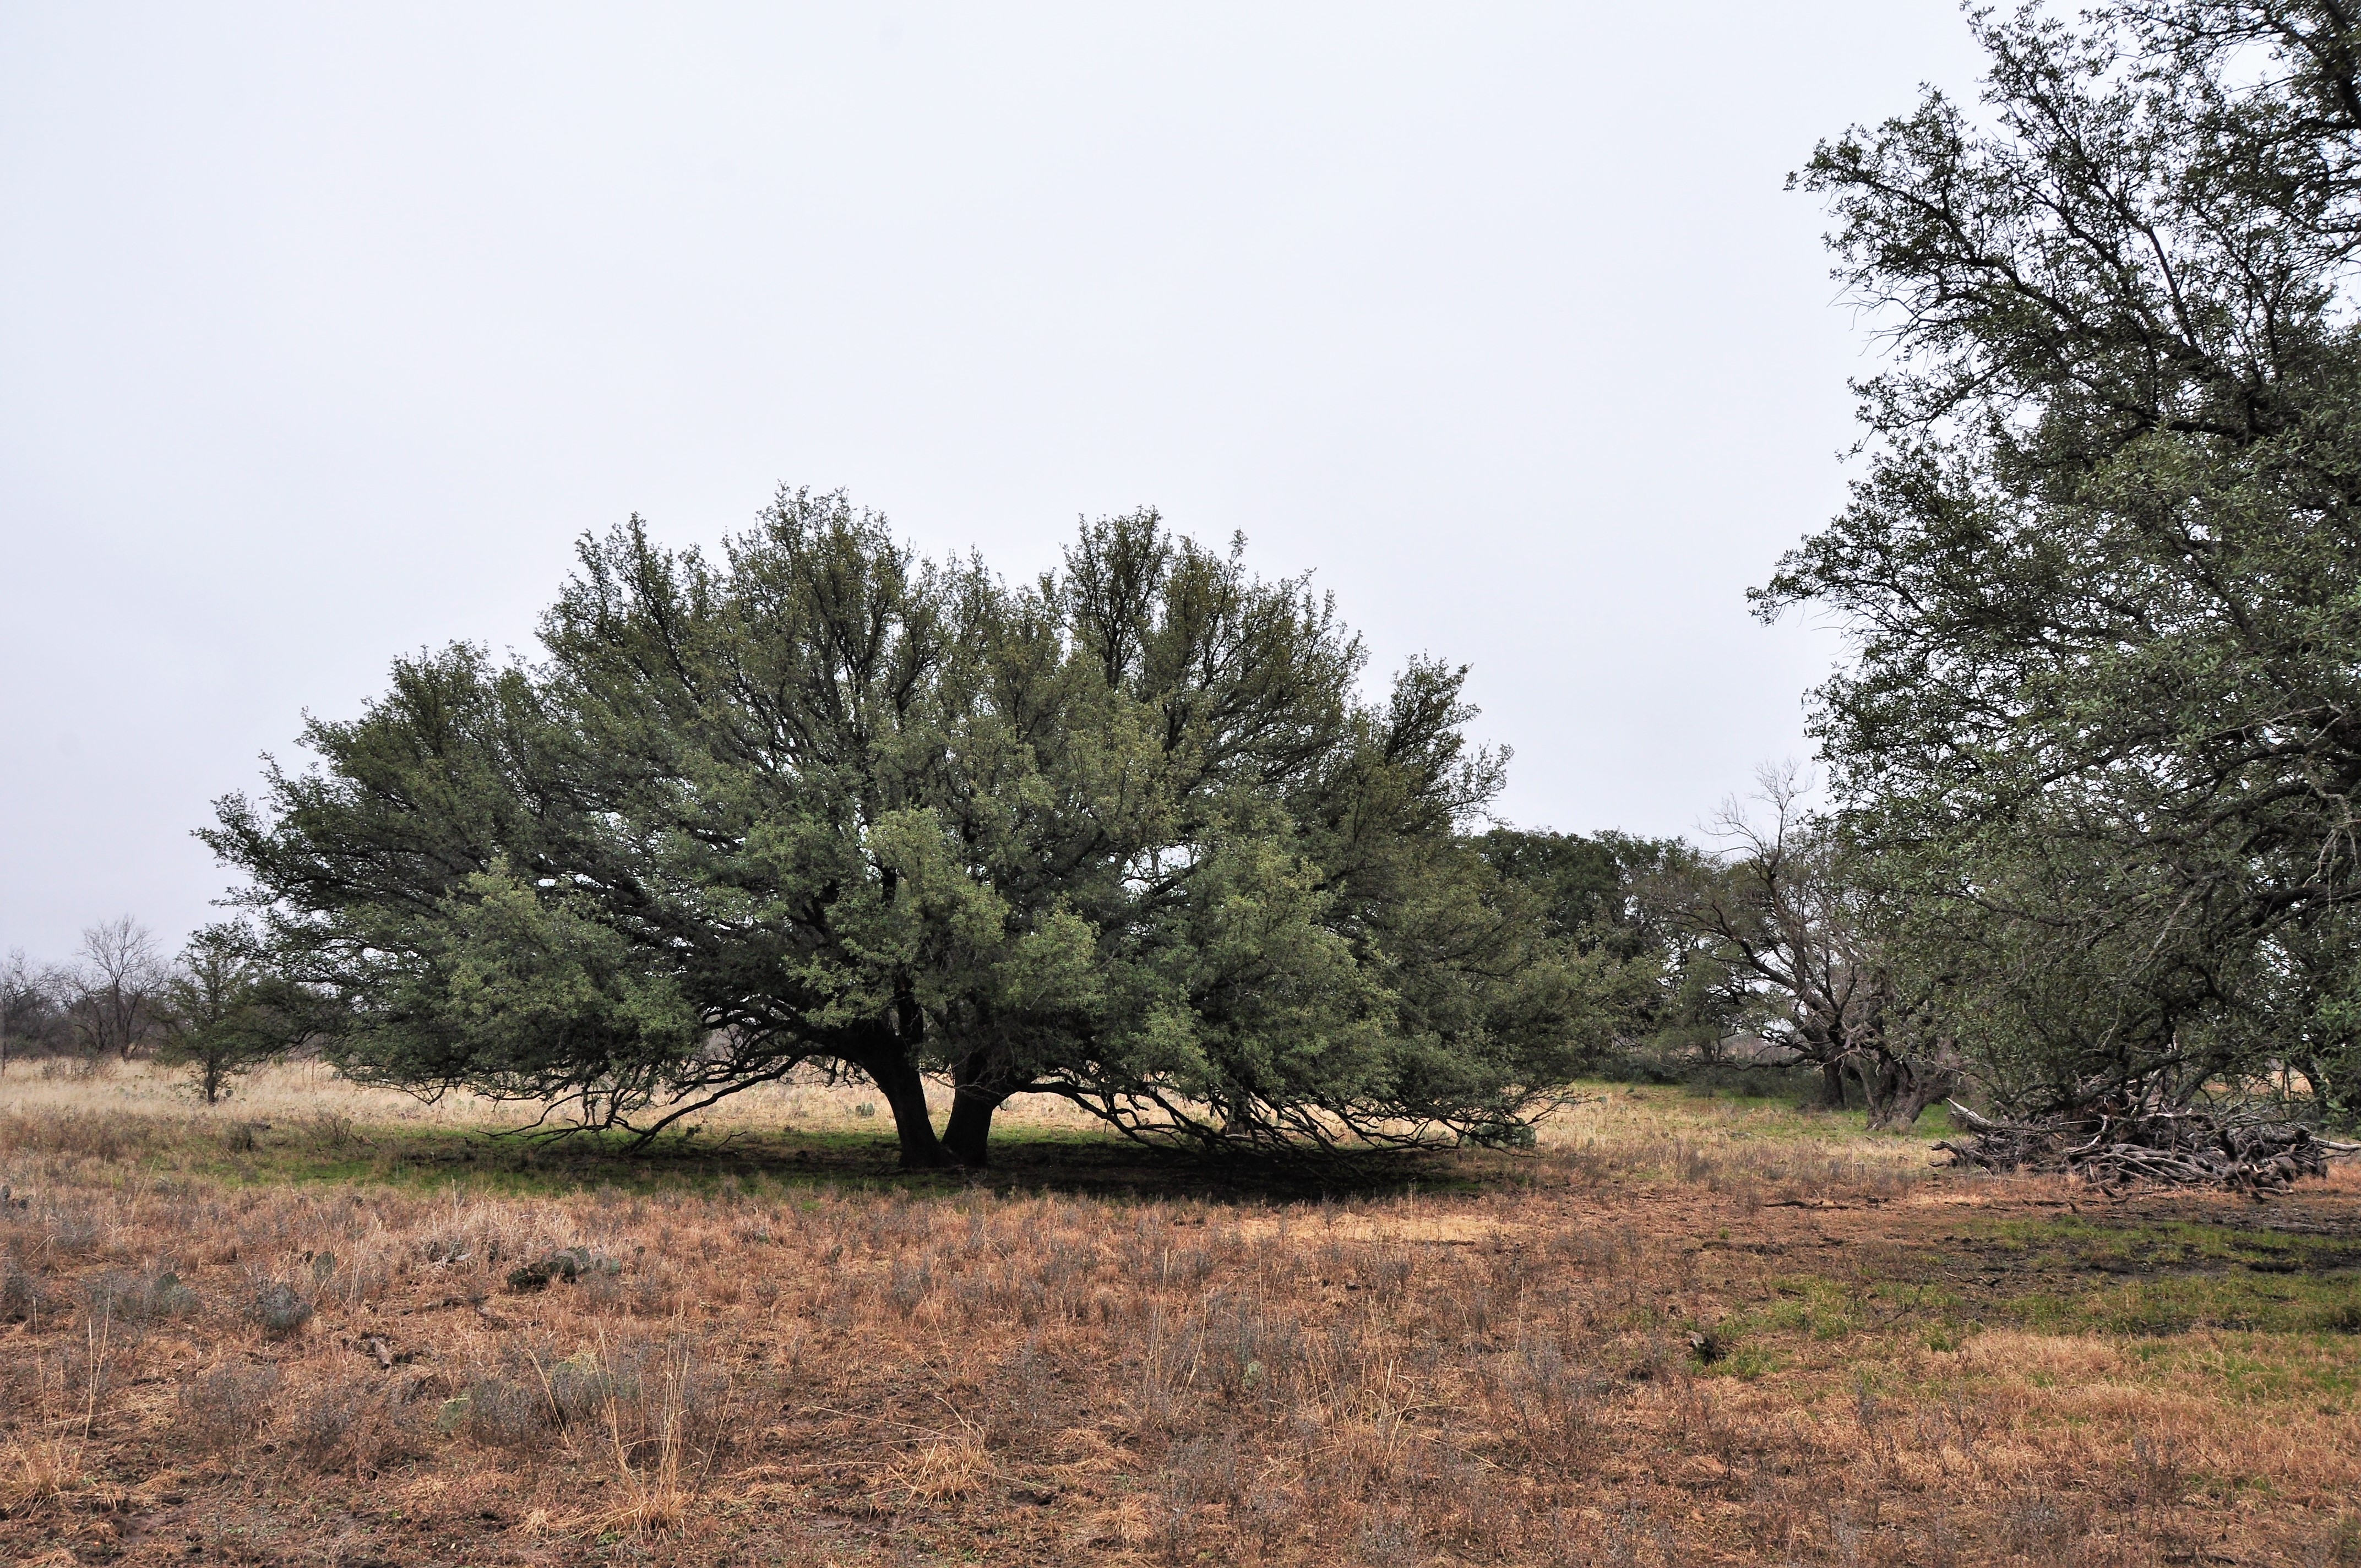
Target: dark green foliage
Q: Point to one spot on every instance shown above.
(2103, 735)
(1621, 902)
(1126, 834)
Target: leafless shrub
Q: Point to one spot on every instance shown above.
(1387, 1271)
(228, 1406)
(912, 1283)
(627, 1396)
(346, 1426)
(1247, 1353)
(1548, 1397)
(70, 1230)
(2041, 1527)
(505, 1412)
(1264, 1515)
(2158, 1474)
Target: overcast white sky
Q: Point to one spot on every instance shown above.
(324, 330)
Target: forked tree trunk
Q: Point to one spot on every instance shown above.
(1928, 1083)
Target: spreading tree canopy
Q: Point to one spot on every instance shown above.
(1127, 834)
(2103, 567)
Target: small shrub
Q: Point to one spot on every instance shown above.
(344, 1425)
(23, 1297)
(579, 1387)
(506, 1413)
(228, 1406)
(279, 1308)
(2039, 1528)
(68, 1232)
(139, 1298)
(912, 1283)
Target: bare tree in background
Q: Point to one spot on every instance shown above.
(115, 980)
(28, 1009)
(1795, 927)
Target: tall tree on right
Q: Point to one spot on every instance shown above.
(2102, 729)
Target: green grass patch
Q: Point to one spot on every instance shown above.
(2179, 1304)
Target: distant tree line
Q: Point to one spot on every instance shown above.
(218, 1009)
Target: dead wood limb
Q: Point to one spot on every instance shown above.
(2119, 1145)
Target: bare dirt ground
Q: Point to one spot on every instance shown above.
(327, 1327)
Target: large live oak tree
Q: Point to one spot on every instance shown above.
(1127, 834)
(2102, 733)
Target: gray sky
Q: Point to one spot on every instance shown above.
(324, 330)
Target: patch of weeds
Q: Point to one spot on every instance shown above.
(1742, 1359)
(2340, 1317)
(2175, 1304)
(23, 1296)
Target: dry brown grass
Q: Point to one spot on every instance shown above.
(1496, 1366)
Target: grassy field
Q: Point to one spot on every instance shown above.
(329, 1326)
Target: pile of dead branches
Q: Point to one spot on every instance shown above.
(2124, 1146)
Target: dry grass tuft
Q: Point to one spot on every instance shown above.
(34, 1471)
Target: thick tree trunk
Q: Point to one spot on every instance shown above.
(968, 1135)
(1832, 1093)
(1881, 1083)
(1927, 1084)
(905, 1093)
(1900, 1088)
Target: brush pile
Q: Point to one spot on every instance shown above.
(2120, 1146)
